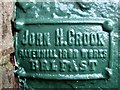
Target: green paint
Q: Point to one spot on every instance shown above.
(69, 44)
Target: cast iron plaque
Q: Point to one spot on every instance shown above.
(69, 49)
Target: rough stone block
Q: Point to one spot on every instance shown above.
(7, 39)
(0, 29)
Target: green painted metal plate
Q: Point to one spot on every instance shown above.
(64, 49)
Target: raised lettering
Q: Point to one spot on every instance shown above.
(71, 40)
(86, 39)
(53, 65)
(78, 39)
(32, 38)
(39, 39)
(44, 65)
(93, 39)
(100, 40)
(25, 37)
(73, 66)
(46, 39)
(64, 65)
(34, 65)
(59, 37)
(93, 64)
(83, 65)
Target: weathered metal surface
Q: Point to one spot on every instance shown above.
(65, 51)
(66, 43)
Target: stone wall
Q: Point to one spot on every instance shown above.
(7, 79)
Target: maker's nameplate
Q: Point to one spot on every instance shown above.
(66, 50)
